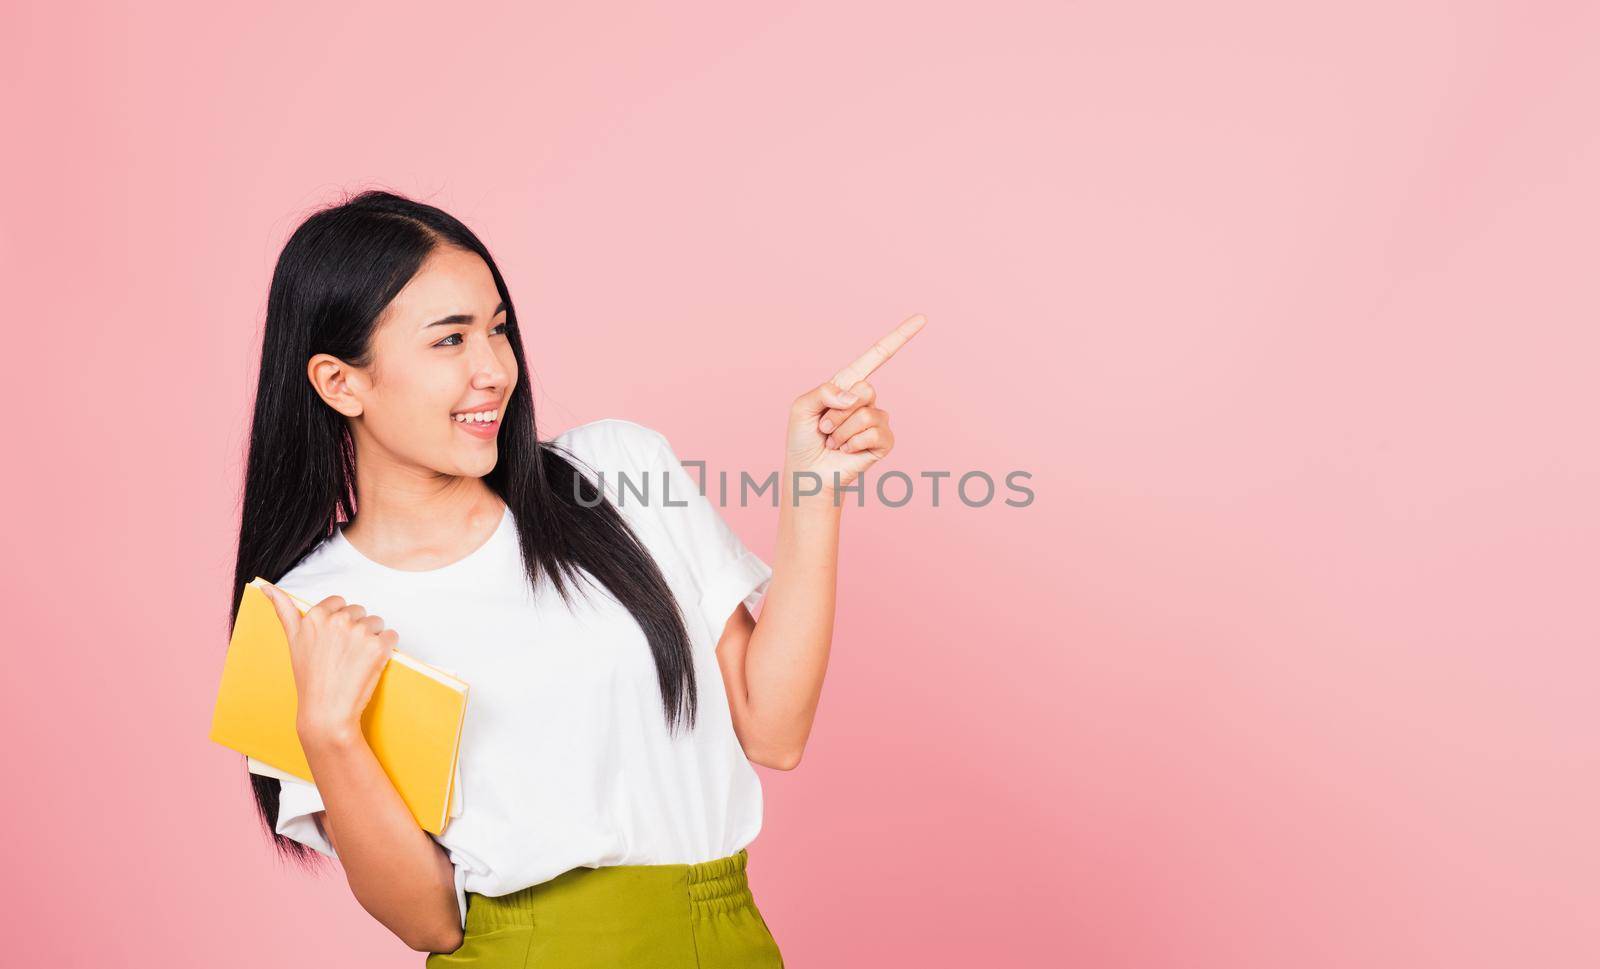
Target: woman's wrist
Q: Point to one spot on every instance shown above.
(807, 491)
(326, 736)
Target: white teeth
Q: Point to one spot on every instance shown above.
(482, 417)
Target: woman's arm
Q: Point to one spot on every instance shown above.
(774, 668)
(402, 877)
(398, 874)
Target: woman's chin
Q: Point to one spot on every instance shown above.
(478, 461)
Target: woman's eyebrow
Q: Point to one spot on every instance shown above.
(464, 317)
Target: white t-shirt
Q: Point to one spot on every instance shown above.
(565, 757)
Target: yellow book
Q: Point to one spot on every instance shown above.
(412, 723)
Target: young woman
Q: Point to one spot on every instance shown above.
(595, 601)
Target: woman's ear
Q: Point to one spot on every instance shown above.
(332, 378)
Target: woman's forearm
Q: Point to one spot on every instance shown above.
(787, 656)
(402, 877)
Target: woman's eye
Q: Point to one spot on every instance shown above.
(457, 336)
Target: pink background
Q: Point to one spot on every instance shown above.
(1291, 314)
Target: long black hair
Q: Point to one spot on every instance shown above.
(337, 273)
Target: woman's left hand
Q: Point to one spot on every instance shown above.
(832, 434)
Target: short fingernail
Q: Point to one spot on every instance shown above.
(848, 398)
(827, 425)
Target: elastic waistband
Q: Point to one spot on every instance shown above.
(644, 891)
(720, 884)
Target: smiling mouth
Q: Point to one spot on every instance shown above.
(486, 429)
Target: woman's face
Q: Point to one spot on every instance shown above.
(440, 351)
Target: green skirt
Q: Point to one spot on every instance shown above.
(698, 916)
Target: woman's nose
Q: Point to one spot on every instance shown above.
(487, 366)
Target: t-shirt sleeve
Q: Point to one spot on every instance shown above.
(298, 804)
(726, 572)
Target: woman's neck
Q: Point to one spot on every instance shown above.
(416, 529)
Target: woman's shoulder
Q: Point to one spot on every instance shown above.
(318, 571)
(613, 443)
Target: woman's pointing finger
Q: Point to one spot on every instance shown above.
(861, 367)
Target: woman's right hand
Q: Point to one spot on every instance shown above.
(338, 652)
